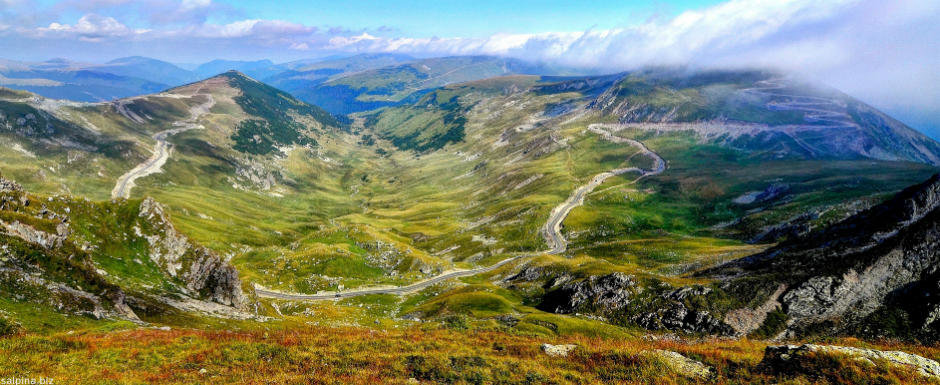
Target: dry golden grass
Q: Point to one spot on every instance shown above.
(353, 355)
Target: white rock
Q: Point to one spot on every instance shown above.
(558, 350)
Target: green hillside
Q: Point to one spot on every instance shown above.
(243, 197)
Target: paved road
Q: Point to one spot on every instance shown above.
(392, 290)
(829, 111)
(161, 151)
(551, 231)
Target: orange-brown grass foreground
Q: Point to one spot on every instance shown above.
(355, 355)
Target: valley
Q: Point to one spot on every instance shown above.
(551, 231)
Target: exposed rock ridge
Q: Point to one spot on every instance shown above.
(41, 238)
(203, 272)
(9, 185)
(622, 298)
(858, 275)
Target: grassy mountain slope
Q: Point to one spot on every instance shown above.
(54, 143)
(275, 123)
(467, 174)
(763, 112)
(121, 260)
(529, 135)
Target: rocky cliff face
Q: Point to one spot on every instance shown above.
(874, 274)
(203, 272)
(89, 258)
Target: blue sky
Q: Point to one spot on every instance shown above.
(446, 18)
(884, 52)
(470, 18)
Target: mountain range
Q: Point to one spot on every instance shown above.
(474, 194)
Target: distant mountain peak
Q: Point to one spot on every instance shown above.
(133, 59)
(223, 61)
(235, 73)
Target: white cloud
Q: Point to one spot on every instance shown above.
(254, 28)
(715, 31)
(300, 47)
(91, 28)
(193, 4)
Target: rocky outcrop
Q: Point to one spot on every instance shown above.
(39, 263)
(790, 359)
(874, 273)
(254, 174)
(41, 238)
(605, 293)
(682, 365)
(533, 274)
(23, 285)
(620, 298)
(43, 262)
(202, 271)
(672, 311)
(13, 199)
(7, 185)
(746, 320)
(213, 278)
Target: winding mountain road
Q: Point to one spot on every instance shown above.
(392, 290)
(830, 112)
(551, 231)
(161, 150)
(813, 106)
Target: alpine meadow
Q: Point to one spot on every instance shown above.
(415, 192)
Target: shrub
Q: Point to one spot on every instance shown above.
(8, 326)
(456, 322)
